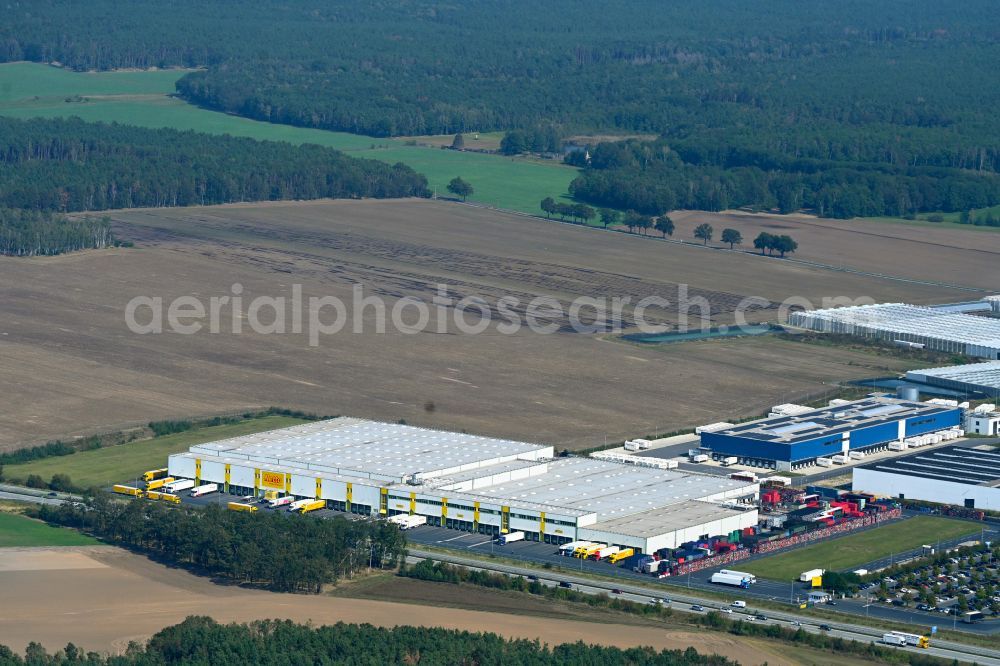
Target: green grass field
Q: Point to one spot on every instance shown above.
(114, 464)
(24, 532)
(142, 98)
(950, 220)
(856, 549)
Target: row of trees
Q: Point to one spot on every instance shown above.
(772, 243)
(704, 232)
(287, 553)
(29, 233)
(201, 641)
(70, 165)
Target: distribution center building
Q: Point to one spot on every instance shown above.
(961, 476)
(932, 328)
(473, 483)
(798, 440)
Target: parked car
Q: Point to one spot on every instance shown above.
(825, 627)
(565, 584)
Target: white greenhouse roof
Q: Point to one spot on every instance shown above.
(903, 320)
(980, 374)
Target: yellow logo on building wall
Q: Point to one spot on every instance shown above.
(272, 480)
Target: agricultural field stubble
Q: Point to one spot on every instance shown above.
(72, 364)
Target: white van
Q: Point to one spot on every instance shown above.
(739, 604)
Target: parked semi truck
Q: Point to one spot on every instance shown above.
(239, 506)
(730, 579)
(587, 552)
(621, 555)
(605, 552)
(807, 576)
(167, 497)
(568, 549)
(313, 505)
(179, 485)
(298, 504)
(510, 537)
(156, 484)
(280, 501)
(204, 489)
(154, 474)
(749, 576)
(127, 490)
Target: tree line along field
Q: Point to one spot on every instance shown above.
(29, 90)
(855, 550)
(126, 462)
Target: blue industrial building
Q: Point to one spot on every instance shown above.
(787, 442)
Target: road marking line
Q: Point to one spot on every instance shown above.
(481, 543)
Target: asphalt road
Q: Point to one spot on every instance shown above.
(777, 591)
(681, 602)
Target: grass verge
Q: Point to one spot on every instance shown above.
(856, 549)
(114, 464)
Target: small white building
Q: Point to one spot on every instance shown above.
(983, 423)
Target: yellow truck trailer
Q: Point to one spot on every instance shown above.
(153, 494)
(173, 499)
(621, 555)
(159, 483)
(154, 474)
(313, 506)
(239, 506)
(587, 551)
(271, 495)
(127, 490)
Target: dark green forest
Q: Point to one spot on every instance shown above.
(50, 167)
(71, 165)
(655, 177)
(283, 552)
(29, 233)
(847, 108)
(200, 641)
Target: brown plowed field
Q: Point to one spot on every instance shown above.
(70, 365)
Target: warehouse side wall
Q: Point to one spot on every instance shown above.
(929, 490)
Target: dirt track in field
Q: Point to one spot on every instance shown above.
(123, 597)
(70, 365)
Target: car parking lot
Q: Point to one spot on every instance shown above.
(948, 586)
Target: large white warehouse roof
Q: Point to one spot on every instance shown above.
(367, 448)
(610, 489)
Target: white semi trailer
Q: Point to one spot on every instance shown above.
(175, 487)
(204, 489)
(730, 579)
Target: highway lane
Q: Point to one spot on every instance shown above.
(944, 649)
